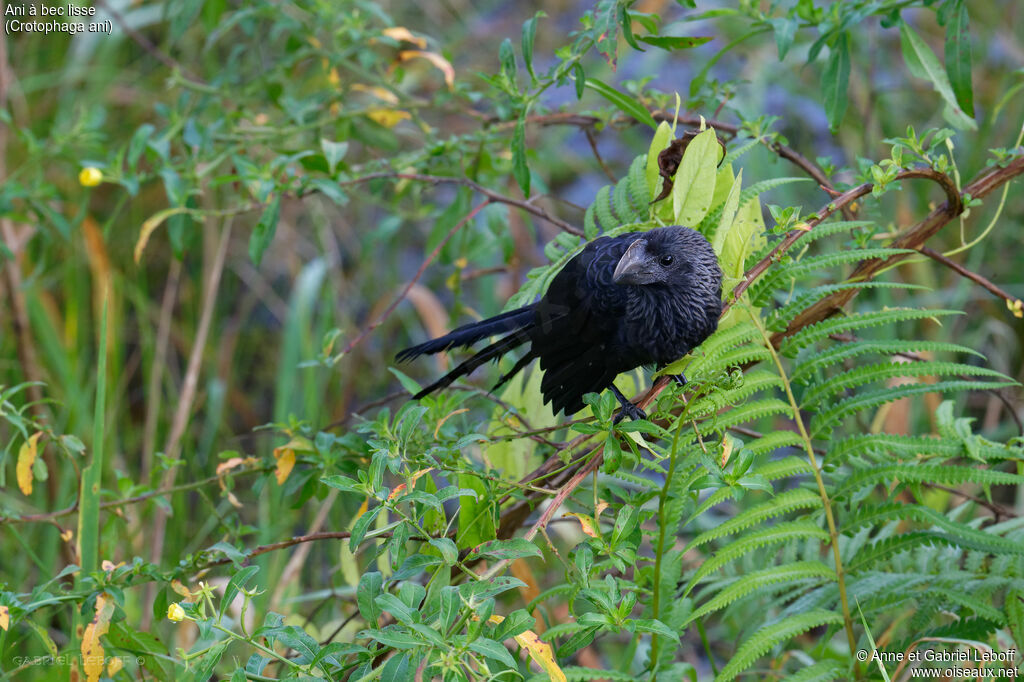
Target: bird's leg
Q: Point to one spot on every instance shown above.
(680, 379)
(628, 408)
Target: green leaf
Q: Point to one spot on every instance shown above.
(333, 152)
(529, 33)
(579, 79)
(835, 82)
(514, 548)
(396, 607)
(694, 183)
(785, 32)
(491, 649)
(662, 137)
(263, 234)
(507, 58)
(624, 103)
(449, 552)
(675, 42)
(208, 662)
(758, 580)
(958, 56)
(362, 525)
(370, 585)
(520, 170)
(237, 581)
(923, 63)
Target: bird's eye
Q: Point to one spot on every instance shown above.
(666, 260)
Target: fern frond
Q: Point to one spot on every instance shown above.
(927, 473)
(822, 671)
(866, 374)
(808, 367)
(877, 552)
(798, 498)
(710, 222)
(781, 317)
(771, 635)
(752, 382)
(854, 321)
(736, 152)
(771, 535)
(797, 270)
(825, 420)
(964, 535)
(744, 413)
(787, 467)
(709, 358)
(741, 587)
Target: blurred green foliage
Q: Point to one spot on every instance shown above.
(266, 200)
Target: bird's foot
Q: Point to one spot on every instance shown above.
(680, 379)
(630, 410)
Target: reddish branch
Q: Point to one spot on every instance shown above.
(912, 238)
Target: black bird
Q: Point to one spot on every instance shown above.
(642, 298)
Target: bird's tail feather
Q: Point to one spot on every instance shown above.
(491, 352)
(468, 334)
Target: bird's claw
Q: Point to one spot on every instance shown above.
(630, 410)
(680, 379)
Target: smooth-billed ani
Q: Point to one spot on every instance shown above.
(642, 298)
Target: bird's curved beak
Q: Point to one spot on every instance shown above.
(631, 268)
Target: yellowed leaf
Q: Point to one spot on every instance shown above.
(26, 458)
(402, 33)
(232, 499)
(66, 535)
(108, 565)
(285, 456)
(442, 64)
(285, 463)
(445, 418)
(397, 492)
(114, 665)
(5, 617)
(229, 464)
(726, 450)
(540, 652)
(150, 225)
(181, 589)
(601, 506)
(362, 509)
(388, 118)
(383, 94)
(587, 523)
(93, 656)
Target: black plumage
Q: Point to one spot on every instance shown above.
(642, 298)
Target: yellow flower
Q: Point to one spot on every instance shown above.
(175, 612)
(90, 176)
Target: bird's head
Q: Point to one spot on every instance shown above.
(669, 256)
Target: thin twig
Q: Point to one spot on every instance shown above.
(589, 132)
(419, 273)
(188, 392)
(491, 195)
(969, 274)
(163, 333)
(144, 42)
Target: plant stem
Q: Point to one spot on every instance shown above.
(826, 503)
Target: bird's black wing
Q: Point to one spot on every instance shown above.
(576, 324)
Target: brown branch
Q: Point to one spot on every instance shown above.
(284, 544)
(491, 195)
(912, 238)
(110, 504)
(969, 274)
(419, 273)
(589, 132)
